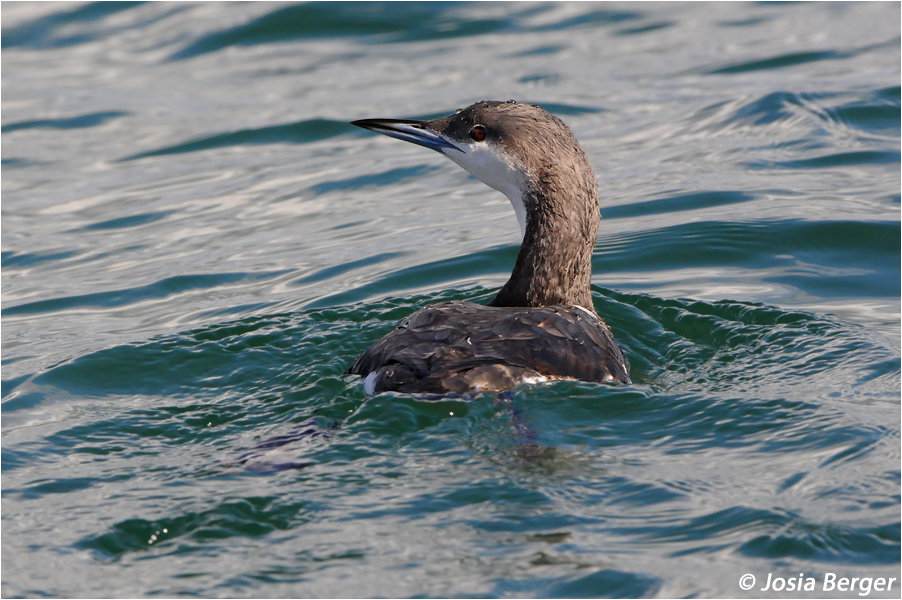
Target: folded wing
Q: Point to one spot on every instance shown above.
(461, 347)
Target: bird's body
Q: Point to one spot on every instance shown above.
(461, 347)
(542, 324)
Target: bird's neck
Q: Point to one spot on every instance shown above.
(555, 261)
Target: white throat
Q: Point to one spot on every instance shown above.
(495, 169)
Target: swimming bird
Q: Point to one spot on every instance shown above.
(542, 324)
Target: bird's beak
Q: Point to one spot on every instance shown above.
(417, 132)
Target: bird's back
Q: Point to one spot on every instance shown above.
(461, 347)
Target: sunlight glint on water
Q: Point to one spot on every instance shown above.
(196, 245)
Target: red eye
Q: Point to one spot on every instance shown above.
(478, 133)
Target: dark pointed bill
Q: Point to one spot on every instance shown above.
(410, 131)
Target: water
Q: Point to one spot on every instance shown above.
(196, 245)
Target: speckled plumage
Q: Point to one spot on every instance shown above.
(541, 325)
(462, 347)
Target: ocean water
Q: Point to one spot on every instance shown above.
(196, 245)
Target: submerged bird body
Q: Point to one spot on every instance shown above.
(541, 325)
(461, 347)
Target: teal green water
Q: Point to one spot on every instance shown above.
(196, 245)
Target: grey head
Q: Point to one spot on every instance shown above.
(533, 158)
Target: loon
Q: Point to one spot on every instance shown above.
(541, 325)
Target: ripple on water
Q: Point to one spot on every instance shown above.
(197, 245)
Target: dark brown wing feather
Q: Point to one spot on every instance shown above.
(462, 347)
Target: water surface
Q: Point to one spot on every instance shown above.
(196, 245)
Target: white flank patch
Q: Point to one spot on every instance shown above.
(369, 384)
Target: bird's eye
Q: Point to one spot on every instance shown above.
(478, 133)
